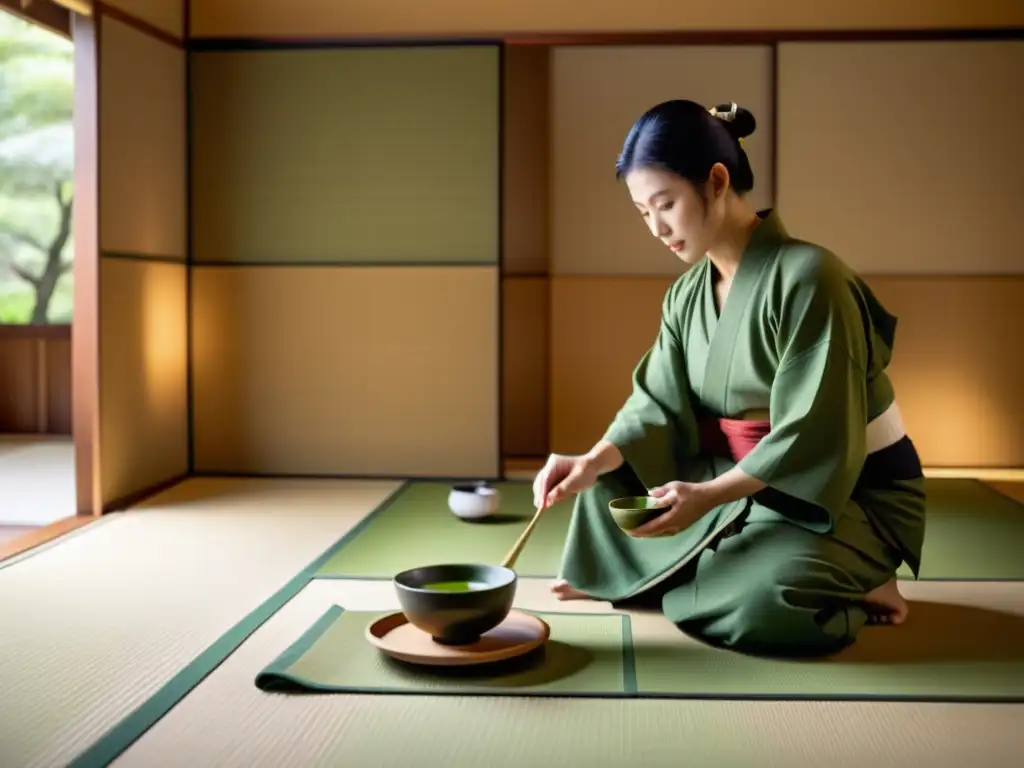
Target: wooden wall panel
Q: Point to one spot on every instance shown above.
(18, 389)
(57, 375)
(166, 15)
(525, 199)
(35, 381)
(388, 371)
(904, 158)
(597, 94)
(253, 18)
(525, 290)
(526, 346)
(358, 155)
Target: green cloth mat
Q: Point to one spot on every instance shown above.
(973, 532)
(944, 652)
(416, 528)
(585, 656)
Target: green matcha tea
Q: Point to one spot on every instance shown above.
(454, 586)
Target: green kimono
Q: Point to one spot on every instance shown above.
(802, 338)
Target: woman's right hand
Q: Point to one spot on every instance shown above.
(563, 476)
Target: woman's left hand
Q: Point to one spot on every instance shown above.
(686, 504)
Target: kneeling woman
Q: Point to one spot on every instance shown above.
(762, 415)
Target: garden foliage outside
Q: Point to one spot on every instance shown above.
(36, 173)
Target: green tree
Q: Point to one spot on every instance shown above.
(36, 168)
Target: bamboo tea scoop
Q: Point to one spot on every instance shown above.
(517, 548)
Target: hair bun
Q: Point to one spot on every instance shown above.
(739, 121)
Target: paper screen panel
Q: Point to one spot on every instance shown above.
(957, 366)
(905, 157)
(365, 155)
(143, 374)
(346, 370)
(143, 367)
(957, 378)
(597, 93)
(594, 350)
(142, 143)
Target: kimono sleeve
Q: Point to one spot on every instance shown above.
(814, 453)
(656, 430)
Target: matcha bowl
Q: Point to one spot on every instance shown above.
(473, 502)
(456, 603)
(631, 512)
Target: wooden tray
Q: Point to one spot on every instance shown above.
(517, 635)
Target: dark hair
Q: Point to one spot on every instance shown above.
(686, 139)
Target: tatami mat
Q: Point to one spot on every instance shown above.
(93, 627)
(98, 625)
(227, 720)
(972, 534)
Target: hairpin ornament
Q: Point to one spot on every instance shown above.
(727, 116)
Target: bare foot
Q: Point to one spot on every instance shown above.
(886, 605)
(563, 591)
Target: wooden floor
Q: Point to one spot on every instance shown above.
(1013, 490)
(9, 533)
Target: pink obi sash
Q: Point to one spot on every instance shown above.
(734, 438)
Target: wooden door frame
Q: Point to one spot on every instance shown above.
(85, 334)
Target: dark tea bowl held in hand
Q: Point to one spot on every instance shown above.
(456, 603)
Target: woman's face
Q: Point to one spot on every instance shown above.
(675, 212)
